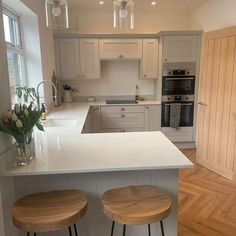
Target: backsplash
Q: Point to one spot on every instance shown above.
(119, 78)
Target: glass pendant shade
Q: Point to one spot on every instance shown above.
(123, 14)
(57, 14)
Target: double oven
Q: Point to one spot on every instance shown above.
(178, 86)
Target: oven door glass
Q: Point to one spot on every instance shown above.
(178, 86)
(186, 115)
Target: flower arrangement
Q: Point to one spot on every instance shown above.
(20, 121)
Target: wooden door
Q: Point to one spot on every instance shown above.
(216, 138)
(150, 59)
(89, 59)
(69, 58)
(180, 49)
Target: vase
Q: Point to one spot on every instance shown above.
(23, 149)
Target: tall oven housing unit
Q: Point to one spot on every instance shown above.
(178, 89)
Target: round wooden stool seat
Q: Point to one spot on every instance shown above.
(49, 211)
(136, 205)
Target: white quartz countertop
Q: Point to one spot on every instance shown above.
(63, 150)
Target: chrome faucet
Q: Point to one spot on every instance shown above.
(55, 98)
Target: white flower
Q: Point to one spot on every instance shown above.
(19, 124)
(26, 113)
(14, 117)
(17, 108)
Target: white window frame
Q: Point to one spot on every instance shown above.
(18, 47)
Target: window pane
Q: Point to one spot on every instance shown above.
(11, 29)
(14, 68)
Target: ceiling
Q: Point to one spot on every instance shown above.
(162, 5)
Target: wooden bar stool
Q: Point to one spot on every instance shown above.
(49, 211)
(136, 205)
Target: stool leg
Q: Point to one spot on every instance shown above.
(124, 229)
(112, 228)
(70, 233)
(28, 233)
(76, 234)
(162, 228)
(149, 230)
(34, 234)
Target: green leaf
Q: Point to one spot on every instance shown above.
(39, 126)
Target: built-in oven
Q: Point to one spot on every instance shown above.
(178, 82)
(186, 111)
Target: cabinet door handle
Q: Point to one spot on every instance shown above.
(122, 109)
(165, 59)
(144, 75)
(122, 116)
(147, 107)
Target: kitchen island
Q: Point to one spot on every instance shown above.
(68, 159)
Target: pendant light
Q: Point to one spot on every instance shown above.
(123, 14)
(57, 14)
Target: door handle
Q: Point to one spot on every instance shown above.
(202, 104)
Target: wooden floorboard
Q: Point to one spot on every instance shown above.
(207, 202)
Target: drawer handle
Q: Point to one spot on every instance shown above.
(122, 109)
(123, 130)
(122, 116)
(121, 56)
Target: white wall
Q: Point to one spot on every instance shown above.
(118, 78)
(145, 22)
(215, 14)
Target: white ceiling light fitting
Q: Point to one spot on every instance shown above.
(57, 14)
(123, 14)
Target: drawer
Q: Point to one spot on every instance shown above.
(119, 109)
(183, 134)
(124, 130)
(122, 120)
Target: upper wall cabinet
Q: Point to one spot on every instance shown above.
(180, 49)
(120, 49)
(89, 59)
(149, 63)
(69, 58)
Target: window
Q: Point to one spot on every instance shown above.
(15, 53)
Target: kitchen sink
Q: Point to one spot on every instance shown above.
(59, 123)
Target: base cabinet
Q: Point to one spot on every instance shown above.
(153, 118)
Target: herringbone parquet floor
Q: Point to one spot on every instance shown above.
(207, 202)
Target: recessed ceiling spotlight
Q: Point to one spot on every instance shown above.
(101, 2)
(153, 3)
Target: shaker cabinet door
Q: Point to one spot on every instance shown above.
(120, 49)
(153, 118)
(180, 49)
(89, 59)
(149, 63)
(69, 59)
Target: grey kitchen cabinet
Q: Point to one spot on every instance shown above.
(89, 59)
(153, 118)
(69, 58)
(149, 62)
(180, 49)
(120, 49)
